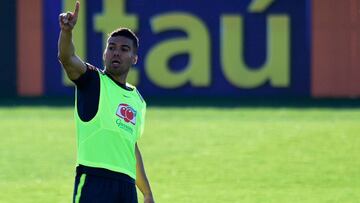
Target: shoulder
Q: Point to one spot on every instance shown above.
(92, 68)
(139, 95)
(91, 74)
(137, 92)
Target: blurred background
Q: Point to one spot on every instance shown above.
(248, 100)
(258, 48)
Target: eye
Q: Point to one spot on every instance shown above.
(125, 49)
(111, 48)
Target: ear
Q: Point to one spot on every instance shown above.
(104, 56)
(134, 59)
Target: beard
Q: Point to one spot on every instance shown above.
(117, 69)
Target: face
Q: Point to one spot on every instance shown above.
(119, 55)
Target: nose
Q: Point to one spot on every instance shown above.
(116, 52)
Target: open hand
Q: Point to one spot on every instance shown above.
(68, 20)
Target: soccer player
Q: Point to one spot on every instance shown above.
(109, 115)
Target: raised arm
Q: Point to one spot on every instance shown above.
(73, 65)
(141, 179)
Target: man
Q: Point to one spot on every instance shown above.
(109, 117)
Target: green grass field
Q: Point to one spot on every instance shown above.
(197, 155)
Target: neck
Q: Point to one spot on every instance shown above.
(121, 78)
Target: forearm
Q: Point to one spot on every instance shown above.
(143, 184)
(66, 48)
(141, 179)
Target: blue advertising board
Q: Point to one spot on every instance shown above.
(194, 48)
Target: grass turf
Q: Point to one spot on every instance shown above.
(197, 154)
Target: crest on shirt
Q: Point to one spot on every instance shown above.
(127, 113)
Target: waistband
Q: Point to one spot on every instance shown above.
(81, 169)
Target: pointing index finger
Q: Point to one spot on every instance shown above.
(77, 7)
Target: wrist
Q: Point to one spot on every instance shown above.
(148, 195)
(66, 31)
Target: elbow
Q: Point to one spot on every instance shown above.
(62, 59)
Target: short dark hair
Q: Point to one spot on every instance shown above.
(126, 32)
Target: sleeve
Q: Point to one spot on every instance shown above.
(86, 78)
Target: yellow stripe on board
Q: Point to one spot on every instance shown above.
(258, 6)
